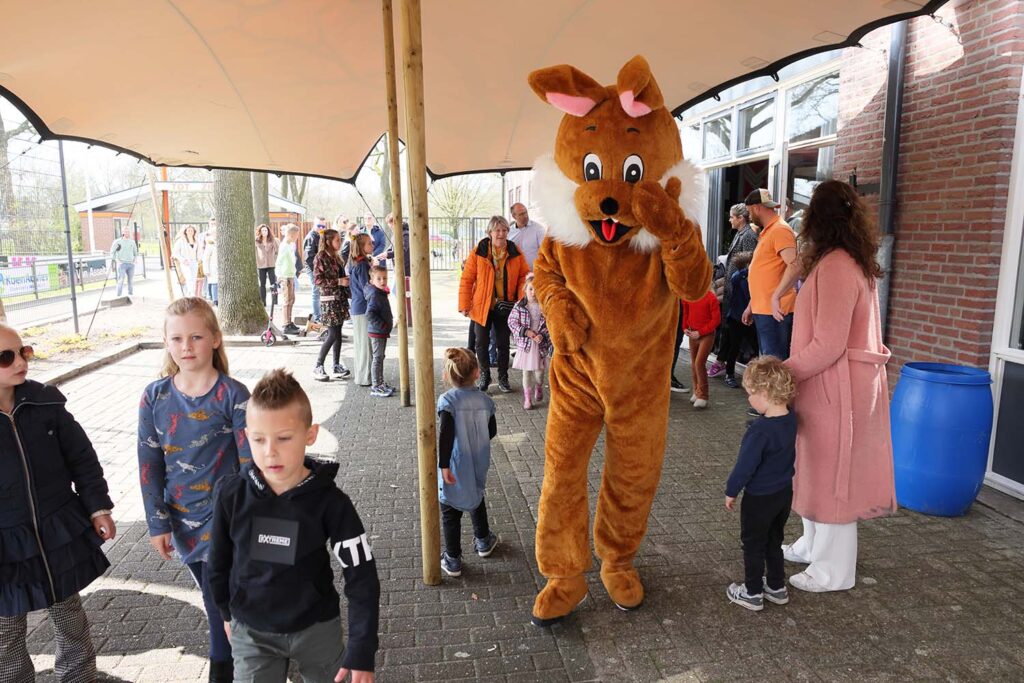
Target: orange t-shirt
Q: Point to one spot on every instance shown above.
(767, 267)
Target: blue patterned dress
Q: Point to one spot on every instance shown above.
(185, 445)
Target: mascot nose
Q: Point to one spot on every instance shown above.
(609, 206)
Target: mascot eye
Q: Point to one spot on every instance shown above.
(591, 167)
(633, 169)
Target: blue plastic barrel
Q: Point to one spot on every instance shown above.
(941, 424)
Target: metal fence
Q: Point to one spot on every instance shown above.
(453, 239)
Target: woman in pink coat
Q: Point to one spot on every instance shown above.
(844, 465)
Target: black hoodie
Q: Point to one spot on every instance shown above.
(269, 567)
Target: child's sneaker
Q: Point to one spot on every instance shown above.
(731, 382)
(340, 371)
(320, 375)
(779, 597)
(379, 391)
(700, 403)
(452, 566)
(716, 370)
(737, 592)
(486, 546)
(678, 386)
(693, 397)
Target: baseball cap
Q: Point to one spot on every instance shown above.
(762, 197)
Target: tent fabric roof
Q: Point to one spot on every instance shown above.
(298, 86)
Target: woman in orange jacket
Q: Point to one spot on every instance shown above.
(699, 322)
(493, 280)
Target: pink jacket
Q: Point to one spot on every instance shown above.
(844, 465)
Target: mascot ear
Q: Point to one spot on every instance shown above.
(639, 94)
(568, 89)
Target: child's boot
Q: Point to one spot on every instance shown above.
(558, 599)
(538, 393)
(222, 672)
(527, 402)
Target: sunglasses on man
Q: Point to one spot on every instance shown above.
(7, 355)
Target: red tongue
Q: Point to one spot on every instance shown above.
(608, 229)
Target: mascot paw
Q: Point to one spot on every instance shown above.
(658, 210)
(567, 323)
(623, 586)
(557, 599)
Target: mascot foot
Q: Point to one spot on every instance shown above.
(623, 586)
(558, 599)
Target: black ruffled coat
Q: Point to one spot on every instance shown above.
(48, 548)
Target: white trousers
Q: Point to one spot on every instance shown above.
(831, 553)
(360, 351)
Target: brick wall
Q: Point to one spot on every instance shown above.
(959, 116)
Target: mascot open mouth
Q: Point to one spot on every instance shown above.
(610, 231)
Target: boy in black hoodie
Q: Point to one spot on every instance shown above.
(269, 568)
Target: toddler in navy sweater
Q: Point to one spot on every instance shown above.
(764, 471)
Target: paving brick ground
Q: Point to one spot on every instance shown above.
(936, 599)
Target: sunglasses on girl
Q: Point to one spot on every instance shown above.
(7, 355)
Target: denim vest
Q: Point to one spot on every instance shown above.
(471, 454)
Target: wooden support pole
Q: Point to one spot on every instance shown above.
(163, 222)
(401, 267)
(423, 333)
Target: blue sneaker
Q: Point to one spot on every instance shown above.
(737, 593)
(486, 546)
(452, 566)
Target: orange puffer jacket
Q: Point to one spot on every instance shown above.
(476, 289)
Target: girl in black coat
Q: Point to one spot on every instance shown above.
(50, 534)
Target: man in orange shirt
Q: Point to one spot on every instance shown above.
(776, 250)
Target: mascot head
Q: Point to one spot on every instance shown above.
(610, 138)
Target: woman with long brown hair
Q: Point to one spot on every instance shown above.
(330, 279)
(267, 247)
(844, 467)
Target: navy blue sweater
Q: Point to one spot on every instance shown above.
(740, 294)
(765, 462)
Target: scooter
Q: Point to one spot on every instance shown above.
(270, 335)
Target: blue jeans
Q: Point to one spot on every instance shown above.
(220, 648)
(214, 291)
(773, 336)
(316, 295)
(125, 271)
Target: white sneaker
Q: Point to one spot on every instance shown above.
(790, 556)
(700, 404)
(693, 397)
(805, 582)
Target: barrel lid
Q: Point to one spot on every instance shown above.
(946, 373)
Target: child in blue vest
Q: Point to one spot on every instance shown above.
(467, 425)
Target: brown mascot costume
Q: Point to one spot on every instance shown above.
(619, 254)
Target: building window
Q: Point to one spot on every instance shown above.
(813, 109)
(757, 125)
(808, 168)
(691, 141)
(718, 137)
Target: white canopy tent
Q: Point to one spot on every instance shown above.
(297, 86)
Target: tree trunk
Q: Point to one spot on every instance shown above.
(241, 311)
(260, 199)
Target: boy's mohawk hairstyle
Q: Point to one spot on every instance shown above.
(278, 389)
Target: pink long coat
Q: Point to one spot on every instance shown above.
(844, 466)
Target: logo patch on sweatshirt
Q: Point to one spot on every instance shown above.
(274, 540)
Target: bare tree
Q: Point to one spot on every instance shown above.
(241, 311)
(6, 186)
(464, 196)
(294, 187)
(260, 199)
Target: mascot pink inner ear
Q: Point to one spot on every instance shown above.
(631, 106)
(570, 104)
